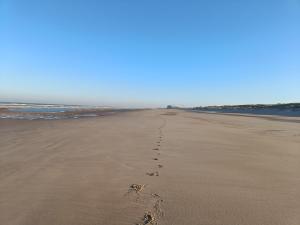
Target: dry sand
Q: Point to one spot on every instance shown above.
(208, 170)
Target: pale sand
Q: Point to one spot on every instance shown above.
(214, 170)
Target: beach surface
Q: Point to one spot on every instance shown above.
(169, 167)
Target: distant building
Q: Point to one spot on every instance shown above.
(172, 107)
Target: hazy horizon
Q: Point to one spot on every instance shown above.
(150, 53)
(131, 106)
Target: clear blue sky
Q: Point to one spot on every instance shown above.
(150, 52)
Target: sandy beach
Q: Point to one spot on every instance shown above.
(193, 168)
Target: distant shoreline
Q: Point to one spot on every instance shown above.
(288, 109)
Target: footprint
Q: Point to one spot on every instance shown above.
(155, 158)
(158, 207)
(153, 174)
(152, 217)
(148, 218)
(136, 188)
(155, 195)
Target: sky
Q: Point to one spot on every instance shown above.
(150, 53)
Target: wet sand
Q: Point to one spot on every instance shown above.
(153, 166)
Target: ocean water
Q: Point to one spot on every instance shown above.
(31, 111)
(41, 109)
(32, 117)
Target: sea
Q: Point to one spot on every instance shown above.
(33, 111)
